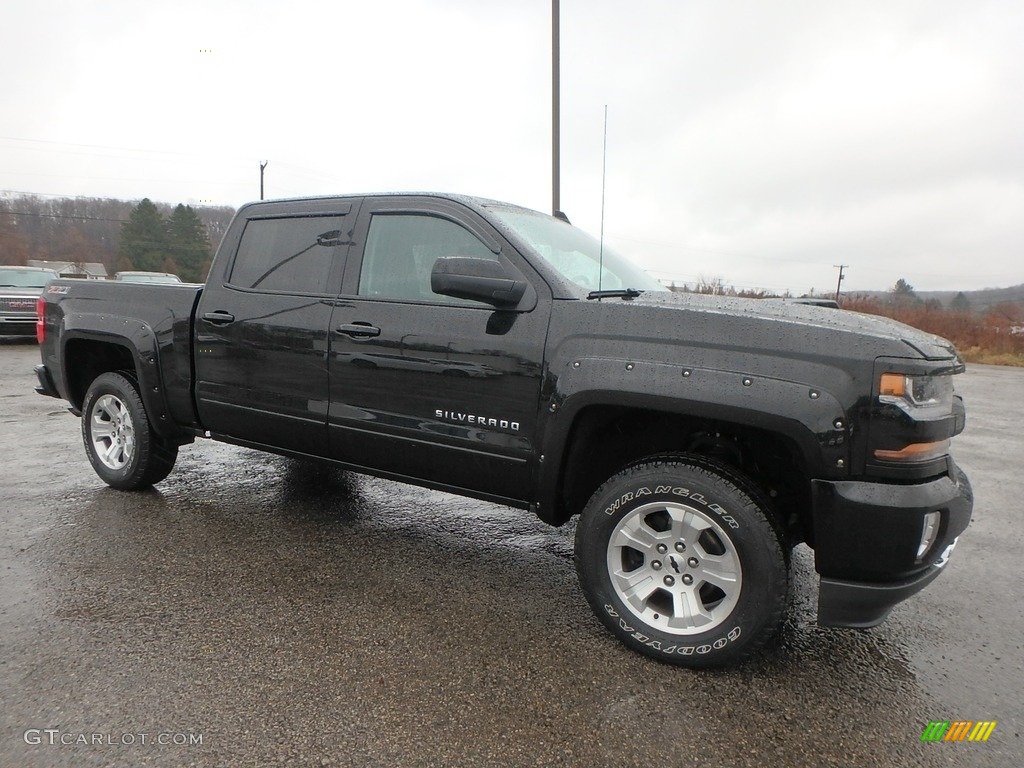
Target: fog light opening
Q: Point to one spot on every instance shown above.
(929, 532)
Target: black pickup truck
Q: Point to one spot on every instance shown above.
(488, 350)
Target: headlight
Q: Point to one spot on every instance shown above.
(911, 393)
(927, 399)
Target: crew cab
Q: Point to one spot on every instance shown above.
(489, 350)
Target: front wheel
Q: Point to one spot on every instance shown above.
(119, 440)
(679, 558)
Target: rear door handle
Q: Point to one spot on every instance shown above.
(359, 330)
(219, 317)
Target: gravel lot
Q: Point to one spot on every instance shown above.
(287, 614)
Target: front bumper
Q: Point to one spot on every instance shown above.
(18, 326)
(866, 541)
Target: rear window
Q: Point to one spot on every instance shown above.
(289, 255)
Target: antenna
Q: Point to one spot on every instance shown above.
(604, 169)
(556, 178)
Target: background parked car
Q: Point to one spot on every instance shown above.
(147, 277)
(19, 289)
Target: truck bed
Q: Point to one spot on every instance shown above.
(152, 324)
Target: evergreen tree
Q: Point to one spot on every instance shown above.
(903, 293)
(960, 303)
(189, 244)
(143, 239)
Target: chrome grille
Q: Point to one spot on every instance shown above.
(19, 304)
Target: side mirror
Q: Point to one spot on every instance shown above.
(486, 280)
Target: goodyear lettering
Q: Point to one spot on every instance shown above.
(680, 650)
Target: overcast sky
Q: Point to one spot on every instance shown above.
(757, 141)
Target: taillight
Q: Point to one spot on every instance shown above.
(40, 325)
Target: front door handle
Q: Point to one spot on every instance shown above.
(219, 317)
(359, 330)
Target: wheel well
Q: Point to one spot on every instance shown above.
(605, 439)
(84, 360)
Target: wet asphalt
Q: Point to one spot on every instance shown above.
(290, 614)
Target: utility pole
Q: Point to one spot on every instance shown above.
(840, 267)
(262, 166)
(556, 203)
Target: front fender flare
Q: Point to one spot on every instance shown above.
(811, 417)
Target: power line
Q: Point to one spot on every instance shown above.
(57, 216)
(102, 146)
(6, 193)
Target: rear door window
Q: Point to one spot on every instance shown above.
(290, 255)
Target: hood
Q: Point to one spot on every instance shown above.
(753, 328)
(20, 292)
(831, 321)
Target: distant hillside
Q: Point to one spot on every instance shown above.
(979, 301)
(79, 229)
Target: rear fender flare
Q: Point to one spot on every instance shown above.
(140, 341)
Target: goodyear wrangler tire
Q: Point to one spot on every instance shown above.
(680, 559)
(122, 447)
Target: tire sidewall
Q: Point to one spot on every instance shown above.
(764, 577)
(120, 387)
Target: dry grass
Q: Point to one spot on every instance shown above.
(979, 355)
(987, 338)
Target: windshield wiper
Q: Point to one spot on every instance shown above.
(615, 293)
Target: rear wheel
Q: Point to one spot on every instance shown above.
(119, 440)
(679, 558)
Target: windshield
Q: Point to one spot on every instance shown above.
(575, 254)
(16, 278)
